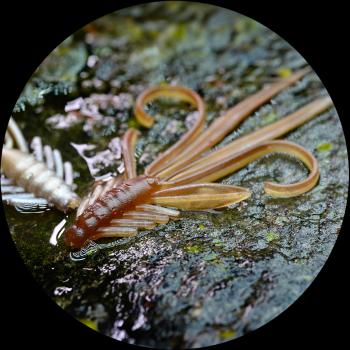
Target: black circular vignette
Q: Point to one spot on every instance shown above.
(31, 32)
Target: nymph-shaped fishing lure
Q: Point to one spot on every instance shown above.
(35, 181)
(181, 177)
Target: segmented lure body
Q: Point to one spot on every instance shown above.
(35, 177)
(111, 205)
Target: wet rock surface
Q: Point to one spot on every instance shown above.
(209, 276)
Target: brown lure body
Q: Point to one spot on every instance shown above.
(182, 177)
(111, 205)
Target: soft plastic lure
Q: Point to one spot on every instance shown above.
(35, 181)
(181, 177)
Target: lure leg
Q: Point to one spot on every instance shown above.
(8, 140)
(68, 173)
(83, 205)
(200, 196)
(112, 231)
(57, 158)
(37, 147)
(17, 135)
(146, 215)
(156, 209)
(128, 148)
(136, 223)
(95, 193)
(49, 157)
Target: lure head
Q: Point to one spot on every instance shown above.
(75, 236)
